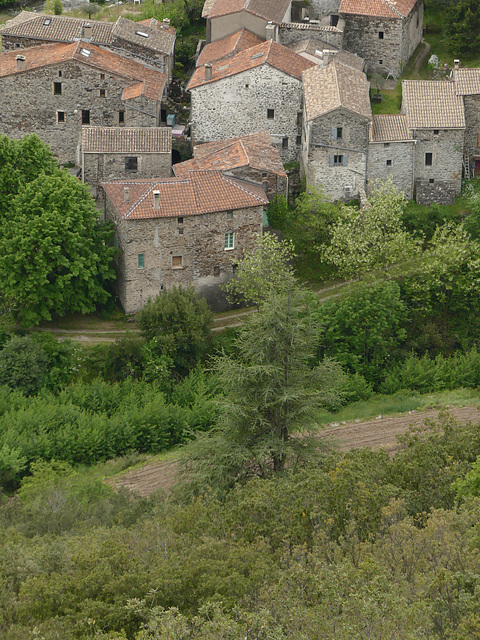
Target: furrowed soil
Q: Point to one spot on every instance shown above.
(378, 433)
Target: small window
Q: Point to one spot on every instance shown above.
(180, 231)
(431, 181)
(299, 118)
(131, 164)
(337, 133)
(389, 163)
(177, 262)
(380, 35)
(85, 116)
(57, 88)
(436, 132)
(270, 114)
(121, 117)
(338, 160)
(284, 143)
(229, 215)
(141, 261)
(180, 219)
(60, 116)
(230, 240)
(246, 85)
(102, 93)
(47, 22)
(380, 62)
(334, 20)
(298, 141)
(59, 74)
(428, 159)
(102, 76)
(17, 45)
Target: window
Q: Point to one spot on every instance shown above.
(246, 85)
(337, 133)
(85, 116)
(334, 20)
(299, 118)
(298, 141)
(380, 35)
(57, 88)
(121, 117)
(141, 261)
(428, 159)
(177, 262)
(131, 164)
(230, 214)
(284, 143)
(380, 62)
(180, 231)
(180, 219)
(270, 114)
(102, 93)
(389, 163)
(17, 45)
(59, 74)
(338, 160)
(431, 181)
(230, 240)
(60, 116)
(436, 132)
(102, 76)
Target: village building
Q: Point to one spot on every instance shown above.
(228, 46)
(57, 89)
(150, 41)
(249, 157)
(467, 85)
(329, 30)
(116, 153)
(391, 152)
(336, 122)
(258, 89)
(181, 231)
(385, 33)
(435, 116)
(321, 52)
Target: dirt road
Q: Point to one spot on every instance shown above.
(376, 433)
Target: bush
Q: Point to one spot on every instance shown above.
(23, 364)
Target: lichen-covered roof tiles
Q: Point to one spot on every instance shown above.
(228, 46)
(389, 128)
(151, 37)
(432, 105)
(195, 194)
(378, 8)
(336, 86)
(254, 150)
(126, 140)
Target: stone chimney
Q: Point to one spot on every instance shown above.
(270, 31)
(87, 31)
(21, 63)
(208, 71)
(456, 63)
(156, 200)
(166, 23)
(126, 194)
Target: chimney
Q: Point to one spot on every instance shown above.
(126, 194)
(21, 63)
(265, 185)
(456, 63)
(156, 200)
(208, 71)
(166, 23)
(270, 31)
(87, 31)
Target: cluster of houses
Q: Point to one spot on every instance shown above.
(275, 82)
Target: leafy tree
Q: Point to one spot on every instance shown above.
(372, 239)
(23, 364)
(54, 255)
(277, 212)
(463, 18)
(90, 8)
(178, 325)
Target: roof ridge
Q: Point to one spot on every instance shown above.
(244, 151)
(393, 8)
(235, 184)
(135, 204)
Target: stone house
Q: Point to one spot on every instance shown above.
(336, 121)
(321, 52)
(385, 33)
(116, 153)
(228, 46)
(391, 152)
(180, 231)
(435, 116)
(249, 157)
(150, 41)
(467, 85)
(258, 89)
(57, 89)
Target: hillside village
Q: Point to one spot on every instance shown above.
(274, 83)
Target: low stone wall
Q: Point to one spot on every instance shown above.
(440, 192)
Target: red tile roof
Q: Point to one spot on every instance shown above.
(378, 8)
(146, 80)
(253, 151)
(195, 194)
(273, 10)
(268, 52)
(228, 46)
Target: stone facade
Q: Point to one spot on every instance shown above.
(440, 191)
(472, 130)
(392, 159)
(439, 157)
(319, 8)
(99, 167)
(243, 103)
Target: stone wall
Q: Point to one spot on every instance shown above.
(101, 167)
(472, 122)
(320, 8)
(318, 149)
(391, 159)
(446, 147)
(412, 29)
(206, 262)
(237, 106)
(28, 103)
(440, 191)
(222, 26)
(274, 184)
(382, 55)
(299, 31)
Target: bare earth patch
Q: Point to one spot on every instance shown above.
(377, 433)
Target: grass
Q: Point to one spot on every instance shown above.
(391, 101)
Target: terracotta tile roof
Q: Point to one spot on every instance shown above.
(227, 47)
(195, 194)
(126, 140)
(334, 86)
(58, 29)
(158, 39)
(207, 7)
(315, 50)
(158, 24)
(432, 105)
(268, 52)
(273, 10)
(467, 81)
(378, 8)
(146, 80)
(253, 151)
(389, 128)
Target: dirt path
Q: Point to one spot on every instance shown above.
(376, 433)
